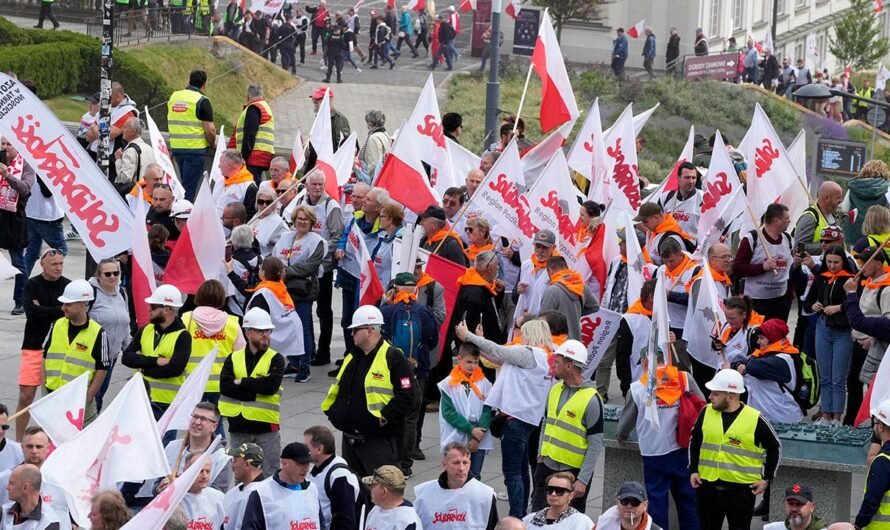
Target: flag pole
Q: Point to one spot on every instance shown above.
(528, 77)
(173, 471)
(883, 246)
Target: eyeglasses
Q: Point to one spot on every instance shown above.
(557, 490)
(263, 203)
(202, 419)
(156, 306)
(163, 186)
(112, 273)
(630, 502)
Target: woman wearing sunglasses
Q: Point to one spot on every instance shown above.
(270, 226)
(110, 310)
(559, 514)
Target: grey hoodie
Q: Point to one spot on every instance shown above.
(557, 297)
(112, 312)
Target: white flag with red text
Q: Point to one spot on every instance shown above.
(536, 158)
(200, 250)
(357, 262)
(770, 170)
(462, 159)
(658, 341)
(61, 412)
(502, 200)
(558, 104)
(155, 515)
(178, 415)
(555, 207)
(7, 271)
(121, 445)
(705, 321)
(321, 138)
(621, 147)
(588, 156)
(671, 182)
(597, 331)
(424, 131)
(721, 189)
(162, 156)
(94, 207)
(143, 276)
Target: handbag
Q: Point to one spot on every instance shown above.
(496, 428)
(690, 408)
(300, 288)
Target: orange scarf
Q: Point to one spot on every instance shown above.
(583, 233)
(668, 388)
(718, 277)
(869, 284)
(558, 340)
(637, 309)
(140, 185)
(681, 268)
(473, 250)
(241, 176)
(669, 224)
(426, 279)
(406, 297)
(832, 276)
(570, 279)
(442, 234)
(541, 264)
(782, 346)
(278, 289)
(755, 320)
(472, 277)
(459, 377)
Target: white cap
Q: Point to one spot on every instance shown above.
(727, 380)
(366, 315)
(257, 318)
(574, 351)
(77, 291)
(181, 209)
(882, 412)
(167, 295)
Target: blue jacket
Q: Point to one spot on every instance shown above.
(406, 24)
(877, 327)
(429, 331)
(619, 49)
(649, 47)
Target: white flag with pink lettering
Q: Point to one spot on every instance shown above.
(60, 413)
(597, 331)
(93, 206)
(770, 169)
(721, 190)
(154, 516)
(424, 127)
(162, 156)
(621, 147)
(501, 198)
(554, 206)
(588, 156)
(121, 445)
(178, 415)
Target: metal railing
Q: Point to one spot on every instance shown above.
(153, 24)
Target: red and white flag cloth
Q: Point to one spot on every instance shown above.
(588, 156)
(454, 19)
(7, 271)
(878, 392)
(61, 412)
(621, 147)
(162, 156)
(417, 5)
(671, 182)
(178, 415)
(882, 77)
(121, 445)
(268, 7)
(721, 189)
(705, 320)
(797, 196)
(344, 159)
(536, 158)
(557, 99)
(357, 262)
(298, 152)
(877, 5)
(637, 29)
(143, 268)
(658, 341)
(770, 171)
(155, 515)
(502, 200)
(446, 273)
(749, 36)
(597, 331)
(512, 8)
(200, 250)
(554, 207)
(321, 138)
(94, 207)
(467, 5)
(217, 181)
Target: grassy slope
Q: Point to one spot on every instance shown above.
(228, 93)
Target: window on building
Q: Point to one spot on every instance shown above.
(738, 9)
(780, 7)
(714, 26)
(800, 3)
(798, 51)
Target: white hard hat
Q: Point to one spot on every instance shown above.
(882, 412)
(727, 380)
(167, 295)
(366, 315)
(574, 351)
(257, 318)
(77, 291)
(181, 209)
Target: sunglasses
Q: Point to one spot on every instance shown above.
(112, 273)
(263, 203)
(630, 502)
(51, 252)
(301, 219)
(356, 330)
(5, 427)
(468, 229)
(557, 490)
(156, 306)
(163, 186)
(281, 192)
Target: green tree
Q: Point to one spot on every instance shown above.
(857, 41)
(561, 11)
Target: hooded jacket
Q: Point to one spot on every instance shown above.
(862, 194)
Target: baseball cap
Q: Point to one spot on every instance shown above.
(388, 476)
(249, 451)
(800, 492)
(319, 93)
(647, 210)
(94, 98)
(436, 212)
(405, 279)
(297, 452)
(546, 238)
(632, 490)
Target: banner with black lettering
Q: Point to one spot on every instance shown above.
(94, 207)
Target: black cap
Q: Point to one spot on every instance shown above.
(94, 98)
(632, 490)
(436, 212)
(405, 279)
(799, 492)
(297, 452)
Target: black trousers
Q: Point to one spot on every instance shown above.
(334, 61)
(257, 173)
(733, 502)
(773, 307)
(325, 316)
(301, 44)
(367, 454)
(288, 58)
(413, 426)
(46, 11)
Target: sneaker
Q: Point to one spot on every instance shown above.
(822, 421)
(334, 372)
(418, 455)
(339, 362)
(358, 71)
(290, 369)
(71, 235)
(502, 496)
(18, 310)
(303, 378)
(319, 362)
(392, 65)
(432, 406)
(408, 473)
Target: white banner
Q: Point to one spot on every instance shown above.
(269, 7)
(501, 198)
(61, 413)
(162, 156)
(94, 207)
(597, 332)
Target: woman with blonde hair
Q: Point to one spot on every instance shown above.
(519, 394)
(109, 511)
(478, 232)
(875, 229)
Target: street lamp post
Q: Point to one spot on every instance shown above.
(493, 87)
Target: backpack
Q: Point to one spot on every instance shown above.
(364, 493)
(807, 391)
(406, 333)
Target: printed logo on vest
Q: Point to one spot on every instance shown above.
(377, 376)
(451, 516)
(305, 524)
(405, 383)
(200, 524)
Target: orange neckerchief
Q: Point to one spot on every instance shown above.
(832, 276)
(718, 277)
(541, 264)
(241, 176)
(558, 340)
(782, 346)
(138, 185)
(426, 279)
(406, 297)
(473, 250)
(869, 284)
(278, 289)
(442, 234)
(669, 224)
(754, 321)
(681, 268)
(637, 309)
(472, 277)
(583, 233)
(570, 279)
(458, 377)
(668, 388)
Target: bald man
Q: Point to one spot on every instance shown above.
(25, 505)
(510, 523)
(818, 216)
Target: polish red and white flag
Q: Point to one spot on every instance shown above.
(671, 182)
(877, 6)
(417, 5)
(61, 412)
(357, 262)
(558, 104)
(467, 5)
(512, 8)
(143, 268)
(636, 30)
(321, 139)
(200, 251)
(298, 152)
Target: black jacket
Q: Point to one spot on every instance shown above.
(132, 358)
(673, 48)
(475, 303)
(451, 249)
(250, 387)
(828, 294)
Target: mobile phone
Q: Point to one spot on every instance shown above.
(3, 156)
(801, 249)
(228, 252)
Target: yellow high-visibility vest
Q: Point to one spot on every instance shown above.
(265, 409)
(378, 383)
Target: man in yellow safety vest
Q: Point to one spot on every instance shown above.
(190, 121)
(254, 134)
(874, 512)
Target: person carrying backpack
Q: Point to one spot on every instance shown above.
(411, 327)
(340, 492)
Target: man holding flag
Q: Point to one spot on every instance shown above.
(661, 226)
(684, 203)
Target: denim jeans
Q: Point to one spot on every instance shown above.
(304, 311)
(39, 231)
(17, 260)
(514, 464)
(476, 461)
(191, 169)
(833, 353)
